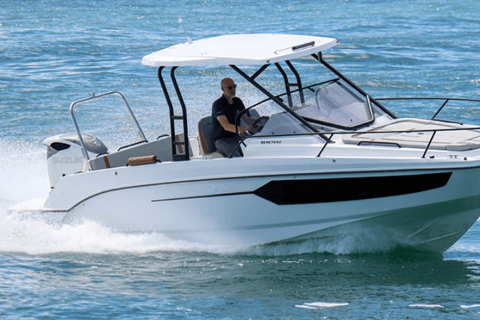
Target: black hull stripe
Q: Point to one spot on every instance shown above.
(206, 196)
(286, 192)
(305, 191)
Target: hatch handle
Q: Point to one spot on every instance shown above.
(304, 45)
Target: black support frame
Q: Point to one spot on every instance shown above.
(251, 80)
(319, 57)
(275, 99)
(173, 117)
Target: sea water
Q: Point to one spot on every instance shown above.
(55, 52)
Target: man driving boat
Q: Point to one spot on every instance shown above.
(224, 111)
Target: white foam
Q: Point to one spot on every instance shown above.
(29, 232)
(27, 205)
(35, 236)
(426, 306)
(361, 242)
(465, 247)
(305, 307)
(470, 306)
(322, 305)
(23, 171)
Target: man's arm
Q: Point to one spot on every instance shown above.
(227, 126)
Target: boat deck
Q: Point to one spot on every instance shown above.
(448, 136)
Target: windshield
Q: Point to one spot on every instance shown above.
(336, 104)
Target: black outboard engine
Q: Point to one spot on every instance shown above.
(64, 154)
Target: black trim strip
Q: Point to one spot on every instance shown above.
(285, 192)
(206, 196)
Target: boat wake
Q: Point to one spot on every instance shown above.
(27, 232)
(35, 236)
(355, 243)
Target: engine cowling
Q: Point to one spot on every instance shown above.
(64, 154)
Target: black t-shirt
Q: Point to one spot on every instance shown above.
(221, 107)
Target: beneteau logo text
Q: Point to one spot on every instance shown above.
(66, 160)
(271, 142)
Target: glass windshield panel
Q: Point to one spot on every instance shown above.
(335, 103)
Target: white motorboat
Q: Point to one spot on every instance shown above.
(326, 160)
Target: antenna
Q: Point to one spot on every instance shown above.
(184, 30)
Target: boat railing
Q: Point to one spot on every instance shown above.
(358, 133)
(329, 135)
(425, 151)
(94, 97)
(445, 101)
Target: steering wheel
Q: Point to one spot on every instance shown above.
(258, 125)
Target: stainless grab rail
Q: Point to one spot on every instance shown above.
(93, 97)
(432, 98)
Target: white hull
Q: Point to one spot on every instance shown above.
(319, 161)
(213, 201)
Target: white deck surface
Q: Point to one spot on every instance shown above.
(444, 140)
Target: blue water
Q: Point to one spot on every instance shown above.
(55, 52)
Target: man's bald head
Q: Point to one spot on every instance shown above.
(226, 82)
(228, 88)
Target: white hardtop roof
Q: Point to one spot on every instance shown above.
(241, 49)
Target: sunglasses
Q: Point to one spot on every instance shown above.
(232, 87)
